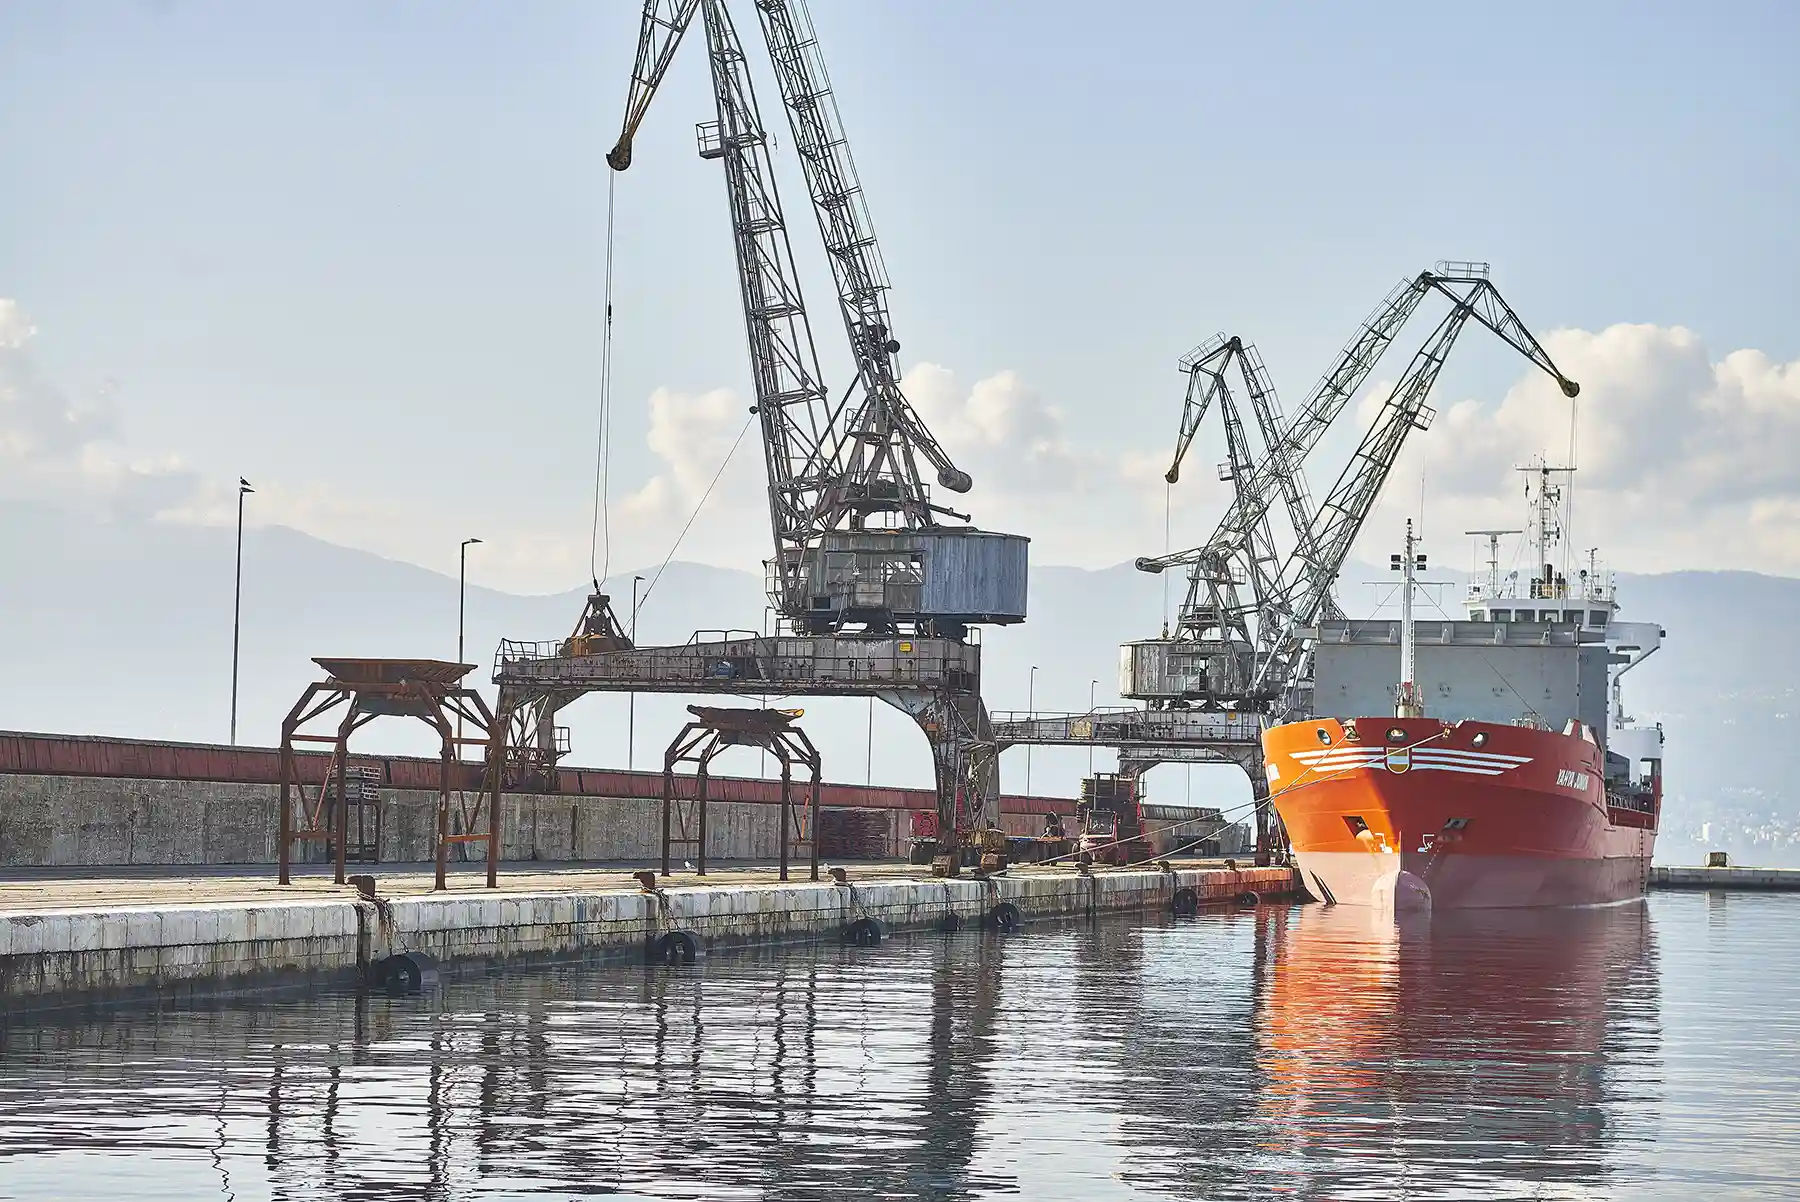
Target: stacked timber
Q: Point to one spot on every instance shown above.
(853, 834)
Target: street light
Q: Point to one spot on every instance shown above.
(631, 701)
(462, 597)
(237, 604)
(1031, 708)
(1092, 685)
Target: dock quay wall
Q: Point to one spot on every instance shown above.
(66, 956)
(1674, 876)
(74, 801)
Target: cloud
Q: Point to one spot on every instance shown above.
(54, 446)
(1685, 461)
(691, 440)
(1080, 503)
(1688, 459)
(1000, 431)
(37, 419)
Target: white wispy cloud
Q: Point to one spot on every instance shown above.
(1684, 460)
(1687, 459)
(65, 448)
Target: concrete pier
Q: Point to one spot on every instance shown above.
(204, 934)
(1668, 876)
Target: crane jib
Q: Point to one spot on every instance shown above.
(1255, 645)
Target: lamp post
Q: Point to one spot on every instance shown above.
(1030, 709)
(237, 604)
(462, 598)
(631, 698)
(1092, 685)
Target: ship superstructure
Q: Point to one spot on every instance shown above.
(1482, 759)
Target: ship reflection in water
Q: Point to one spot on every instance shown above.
(1460, 1050)
(1634, 1051)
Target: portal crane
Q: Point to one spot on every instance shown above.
(844, 478)
(1233, 665)
(1265, 672)
(1258, 561)
(873, 589)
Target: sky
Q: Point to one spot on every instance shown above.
(354, 253)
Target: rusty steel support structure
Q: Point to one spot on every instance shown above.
(934, 681)
(712, 731)
(429, 690)
(1148, 737)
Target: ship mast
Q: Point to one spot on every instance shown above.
(1493, 562)
(1546, 526)
(1408, 703)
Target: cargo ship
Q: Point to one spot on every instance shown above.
(1484, 761)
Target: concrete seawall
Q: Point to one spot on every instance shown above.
(73, 821)
(1668, 876)
(66, 956)
(80, 821)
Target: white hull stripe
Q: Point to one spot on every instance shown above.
(1416, 767)
(1470, 757)
(1438, 754)
(1419, 759)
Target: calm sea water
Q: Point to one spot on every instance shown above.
(1643, 1051)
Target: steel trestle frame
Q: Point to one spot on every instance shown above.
(428, 690)
(712, 731)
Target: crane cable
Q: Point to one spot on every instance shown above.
(698, 506)
(601, 534)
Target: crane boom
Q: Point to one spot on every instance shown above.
(790, 392)
(1212, 601)
(1312, 571)
(833, 470)
(1207, 366)
(882, 435)
(1303, 432)
(1232, 651)
(665, 21)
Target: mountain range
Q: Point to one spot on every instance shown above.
(124, 627)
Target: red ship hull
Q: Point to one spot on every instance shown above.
(1417, 812)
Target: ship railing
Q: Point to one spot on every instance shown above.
(1641, 801)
